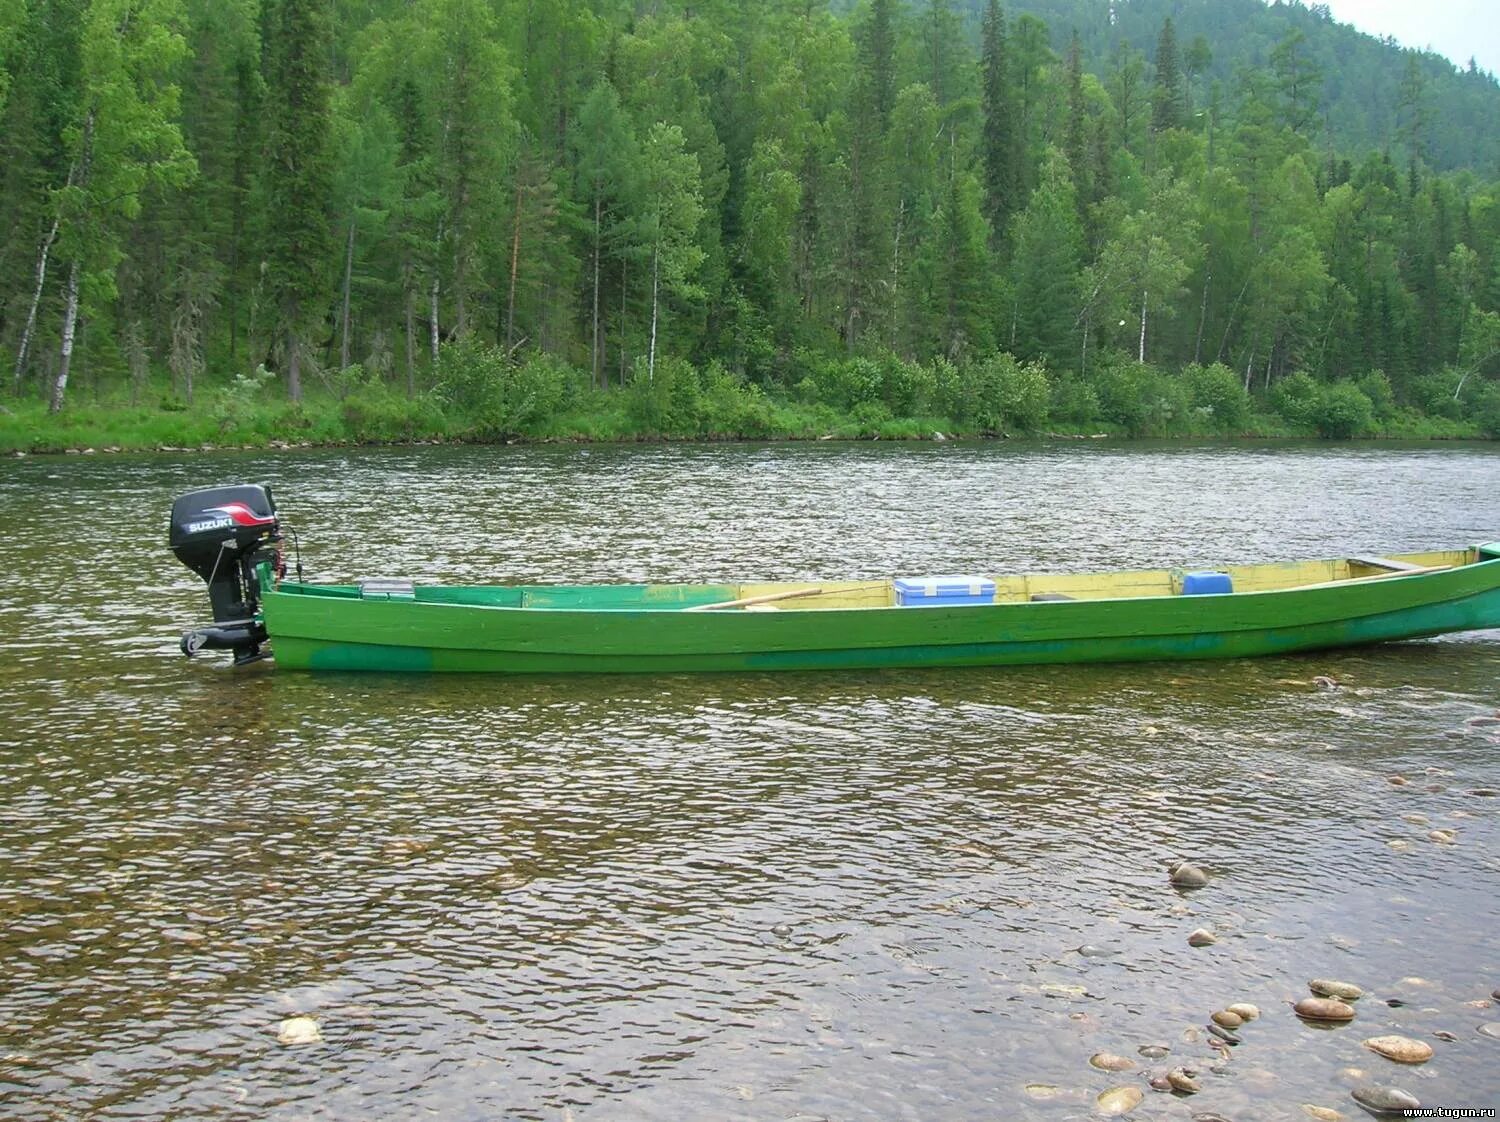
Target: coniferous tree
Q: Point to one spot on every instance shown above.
(1167, 106)
(999, 145)
(298, 177)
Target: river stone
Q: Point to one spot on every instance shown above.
(1202, 938)
(1387, 1099)
(1442, 837)
(1484, 792)
(1344, 991)
(1187, 875)
(1322, 1113)
(1244, 1010)
(1153, 1051)
(1402, 1049)
(1119, 1100)
(1042, 1092)
(1108, 1061)
(1323, 1009)
(1496, 994)
(1397, 780)
(1227, 1018)
(1223, 1034)
(1444, 1034)
(1209, 1118)
(299, 1030)
(1491, 1028)
(1183, 1082)
(1191, 1035)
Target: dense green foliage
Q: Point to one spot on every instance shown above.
(490, 219)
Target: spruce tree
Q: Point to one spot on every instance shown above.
(1166, 95)
(999, 145)
(298, 176)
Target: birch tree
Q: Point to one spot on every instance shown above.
(126, 138)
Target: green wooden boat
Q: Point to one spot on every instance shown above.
(231, 537)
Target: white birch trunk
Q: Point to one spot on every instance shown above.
(432, 318)
(655, 277)
(1145, 302)
(23, 350)
(70, 324)
(344, 317)
(600, 378)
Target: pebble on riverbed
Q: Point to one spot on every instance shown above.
(1119, 1100)
(299, 1030)
(1182, 1082)
(1108, 1061)
(1244, 1010)
(1322, 1113)
(1323, 1009)
(1187, 875)
(1402, 1049)
(1327, 987)
(1227, 1018)
(1387, 1099)
(1202, 938)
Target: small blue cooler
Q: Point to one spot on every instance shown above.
(1205, 584)
(944, 592)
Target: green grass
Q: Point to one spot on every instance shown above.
(245, 415)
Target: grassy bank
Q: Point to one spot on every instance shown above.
(479, 397)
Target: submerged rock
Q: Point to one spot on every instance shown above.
(1491, 1028)
(1187, 875)
(1344, 991)
(1108, 1061)
(299, 1030)
(1244, 1010)
(1043, 1092)
(1223, 1034)
(1202, 938)
(1182, 1082)
(1227, 1018)
(1119, 1100)
(1402, 1049)
(1323, 1009)
(1376, 1097)
(1322, 1113)
(1153, 1051)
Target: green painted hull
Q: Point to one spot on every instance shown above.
(332, 628)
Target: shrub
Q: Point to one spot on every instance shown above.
(1218, 395)
(1433, 394)
(494, 397)
(1341, 411)
(1141, 398)
(1487, 411)
(1295, 398)
(1377, 387)
(1074, 401)
(995, 394)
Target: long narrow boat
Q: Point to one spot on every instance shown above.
(231, 537)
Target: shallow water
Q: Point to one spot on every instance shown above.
(841, 896)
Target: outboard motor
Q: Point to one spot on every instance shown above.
(223, 534)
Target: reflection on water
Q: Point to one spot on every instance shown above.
(842, 896)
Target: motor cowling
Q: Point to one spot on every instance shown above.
(222, 534)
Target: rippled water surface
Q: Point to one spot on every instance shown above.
(838, 896)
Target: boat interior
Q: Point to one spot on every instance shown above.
(1008, 588)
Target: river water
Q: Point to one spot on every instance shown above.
(845, 896)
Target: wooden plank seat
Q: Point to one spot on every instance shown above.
(1390, 564)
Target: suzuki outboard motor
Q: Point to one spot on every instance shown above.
(222, 534)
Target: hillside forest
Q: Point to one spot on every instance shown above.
(381, 219)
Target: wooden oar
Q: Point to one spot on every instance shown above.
(1374, 576)
(748, 600)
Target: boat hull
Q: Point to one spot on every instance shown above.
(328, 633)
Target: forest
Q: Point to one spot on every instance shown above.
(247, 220)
